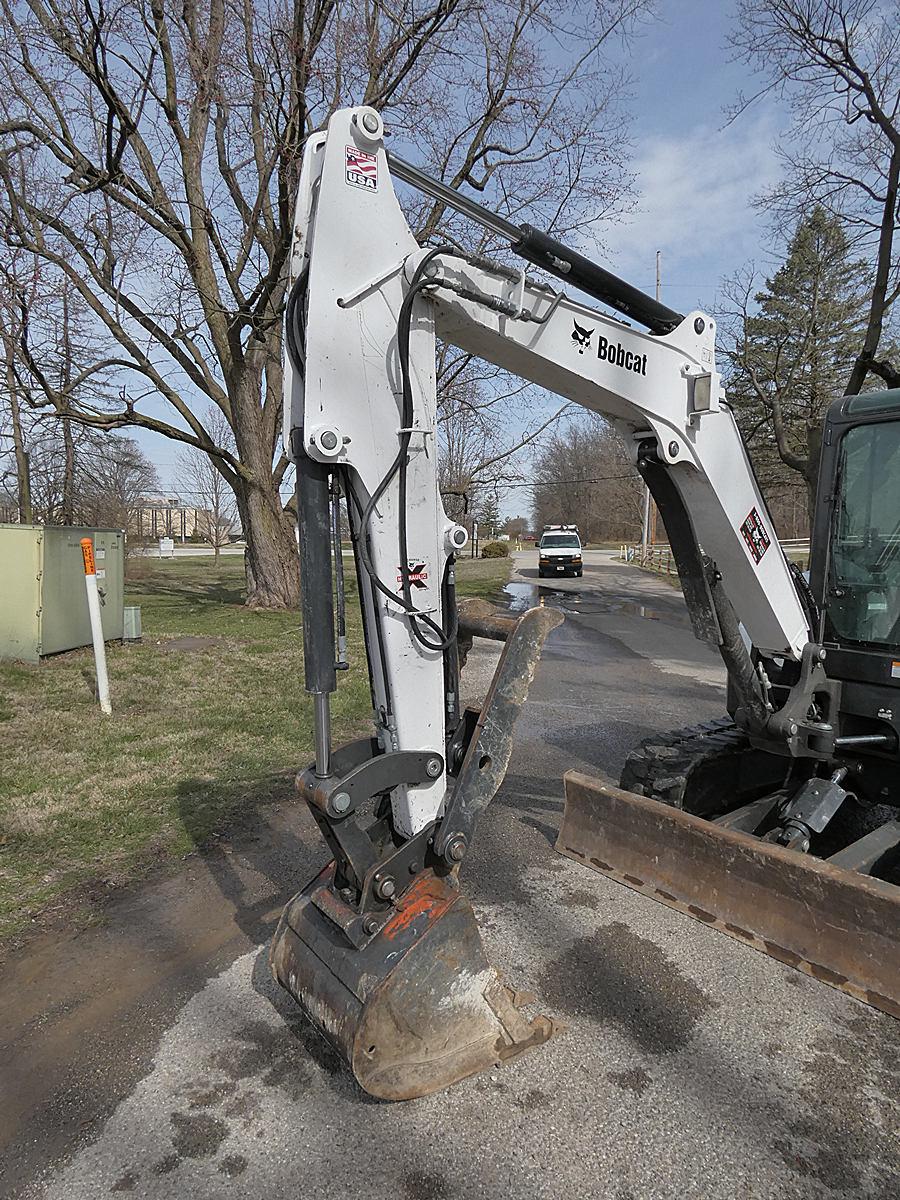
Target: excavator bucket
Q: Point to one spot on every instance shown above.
(836, 924)
(416, 1006)
(419, 1007)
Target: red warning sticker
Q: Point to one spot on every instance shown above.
(754, 534)
(417, 573)
(362, 169)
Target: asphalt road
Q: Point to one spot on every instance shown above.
(154, 1056)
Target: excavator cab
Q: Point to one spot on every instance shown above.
(855, 567)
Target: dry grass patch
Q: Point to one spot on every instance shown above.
(198, 737)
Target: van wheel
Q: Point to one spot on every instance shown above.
(540, 572)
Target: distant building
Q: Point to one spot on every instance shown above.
(166, 516)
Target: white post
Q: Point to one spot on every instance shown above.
(93, 599)
(645, 523)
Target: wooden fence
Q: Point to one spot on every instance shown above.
(660, 558)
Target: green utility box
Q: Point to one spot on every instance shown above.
(43, 601)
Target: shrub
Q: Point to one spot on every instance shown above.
(495, 550)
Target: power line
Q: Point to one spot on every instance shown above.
(536, 483)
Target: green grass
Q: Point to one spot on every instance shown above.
(198, 740)
(482, 576)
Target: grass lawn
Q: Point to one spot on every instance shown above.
(210, 720)
(482, 576)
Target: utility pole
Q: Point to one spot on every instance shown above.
(648, 524)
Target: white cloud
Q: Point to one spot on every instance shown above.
(694, 204)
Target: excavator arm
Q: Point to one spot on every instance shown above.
(366, 948)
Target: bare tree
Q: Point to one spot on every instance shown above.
(583, 477)
(16, 435)
(150, 153)
(204, 486)
(38, 307)
(12, 389)
(114, 476)
(485, 417)
(837, 62)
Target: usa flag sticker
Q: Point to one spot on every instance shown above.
(362, 169)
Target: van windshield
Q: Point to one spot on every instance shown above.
(560, 541)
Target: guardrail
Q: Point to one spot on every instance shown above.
(660, 558)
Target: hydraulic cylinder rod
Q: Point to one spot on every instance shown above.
(547, 253)
(314, 512)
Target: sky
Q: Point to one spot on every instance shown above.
(695, 176)
(696, 173)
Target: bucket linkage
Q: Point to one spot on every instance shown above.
(382, 949)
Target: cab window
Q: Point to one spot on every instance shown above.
(560, 541)
(864, 583)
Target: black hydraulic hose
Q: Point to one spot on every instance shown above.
(445, 638)
(736, 656)
(295, 323)
(807, 599)
(404, 599)
(357, 537)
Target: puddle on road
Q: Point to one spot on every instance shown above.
(522, 596)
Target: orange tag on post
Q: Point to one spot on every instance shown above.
(87, 553)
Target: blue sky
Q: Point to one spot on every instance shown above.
(695, 175)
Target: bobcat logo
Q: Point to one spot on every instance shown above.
(581, 337)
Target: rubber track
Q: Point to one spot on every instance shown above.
(661, 766)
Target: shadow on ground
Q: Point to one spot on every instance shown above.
(270, 851)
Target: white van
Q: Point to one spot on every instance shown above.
(559, 551)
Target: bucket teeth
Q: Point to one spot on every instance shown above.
(419, 1007)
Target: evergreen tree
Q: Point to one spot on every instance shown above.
(793, 354)
(487, 514)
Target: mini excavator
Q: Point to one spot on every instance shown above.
(778, 824)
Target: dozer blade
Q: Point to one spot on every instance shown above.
(836, 925)
(418, 1007)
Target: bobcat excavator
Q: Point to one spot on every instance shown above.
(777, 825)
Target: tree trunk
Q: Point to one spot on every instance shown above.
(23, 474)
(882, 277)
(271, 560)
(68, 504)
